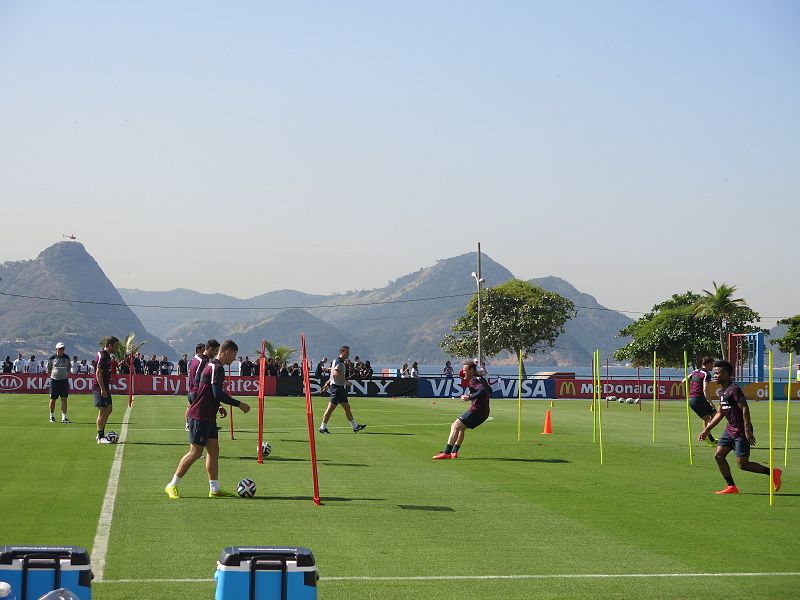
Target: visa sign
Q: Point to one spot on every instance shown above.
(503, 387)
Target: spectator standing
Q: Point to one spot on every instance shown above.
(8, 366)
(153, 365)
(83, 368)
(75, 367)
(367, 372)
(165, 366)
(414, 370)
(138, 364)
(246, 367)
(448, 370)
(32, 366)
(183, 365)
(19, 364)
(319, 373)
(405, 372)
(58, 373)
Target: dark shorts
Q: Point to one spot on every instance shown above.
(338, 394)
(702, 406)
(739, 444)
(59, 388)
(202, 431)
(472, 419)
(99, 401)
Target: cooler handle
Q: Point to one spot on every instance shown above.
(40, 561)
(264, 564)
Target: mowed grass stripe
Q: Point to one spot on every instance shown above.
(543, 507)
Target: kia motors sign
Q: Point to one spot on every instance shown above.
(10, 383)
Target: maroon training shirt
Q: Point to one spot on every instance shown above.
(198, 363)
(103, 360)
(729, 399)
(210, 393)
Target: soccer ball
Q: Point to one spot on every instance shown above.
(630, 401)
(246, 488)
(112, 437)
(611, 398)
(637, 401)
(621, 400)
(265, 449)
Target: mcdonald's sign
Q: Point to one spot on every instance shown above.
(566, 389)
(676, 390)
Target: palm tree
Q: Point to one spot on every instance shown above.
(720, 306)
(279, 353)
(127, 347)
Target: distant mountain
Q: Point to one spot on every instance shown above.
(398, 322)
(64, 270)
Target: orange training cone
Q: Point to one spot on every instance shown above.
(548, 424)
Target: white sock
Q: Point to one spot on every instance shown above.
(63, 416)
(214, 485)
(175, 480)
(353, 423)
(52, 415)
(323, 426)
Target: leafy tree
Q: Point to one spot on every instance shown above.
(791, 341)
(516, 316)
(673, 326)
(723, 308)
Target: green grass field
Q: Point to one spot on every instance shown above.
(541, 507)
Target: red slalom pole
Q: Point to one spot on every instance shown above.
(639, 386)
(230, 412)
(261, 367)
(310, 414)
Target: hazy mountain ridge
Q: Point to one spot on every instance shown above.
(408, 328)
(66, 271)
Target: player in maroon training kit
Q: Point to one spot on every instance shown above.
(203, 422)
(738, 435)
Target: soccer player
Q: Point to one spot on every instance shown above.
(698, 394)
(100, 387)
(203, 425)
(58, 373)
(477, 413)
(738, 435)
(337, 385)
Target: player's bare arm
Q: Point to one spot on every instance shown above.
(748, 425)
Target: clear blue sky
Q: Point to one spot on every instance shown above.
(634, 148)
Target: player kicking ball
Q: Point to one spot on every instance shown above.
(478, 412)
(738, 435)
(202, 415)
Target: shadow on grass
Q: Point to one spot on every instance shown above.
(386, 433)
(776, 494)
(323, 499)
(267, 459)
(525, 460)
(334, 464)
(427, 508)
(127, 443)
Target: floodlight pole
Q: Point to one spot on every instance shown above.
(479, 281)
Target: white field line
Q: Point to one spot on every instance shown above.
(484, 577)
(100, 546)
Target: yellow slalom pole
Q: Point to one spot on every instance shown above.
(519, 407)
(788, 404)
(688, 414)
(771, 462)
(655, 384)
(599, 412)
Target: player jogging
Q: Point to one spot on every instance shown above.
(738, 435)
(479, 392)
(203, 431)
(698, 394)
(337, 386)
(101, 387)
(58, 374)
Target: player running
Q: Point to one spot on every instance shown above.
(738, 435)
(698, 394)
(203, 431)
(477, 413)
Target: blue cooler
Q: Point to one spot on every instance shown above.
(33, 571)
(266, 573)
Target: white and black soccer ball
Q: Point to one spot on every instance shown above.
(246, 488)
(112, 437)
(621, 400)
(265, 449)
(630, 401)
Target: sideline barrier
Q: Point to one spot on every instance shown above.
(667, 390)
